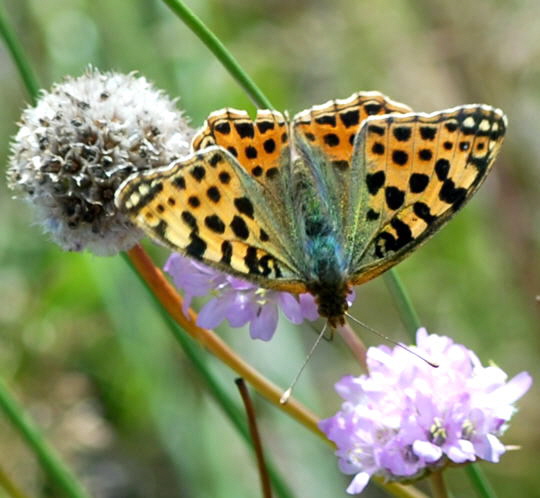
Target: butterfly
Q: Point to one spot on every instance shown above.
(322, 202)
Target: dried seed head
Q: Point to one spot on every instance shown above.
(79, 142)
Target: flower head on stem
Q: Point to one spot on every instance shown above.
(405, 418)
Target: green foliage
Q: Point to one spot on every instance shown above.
(86, 350)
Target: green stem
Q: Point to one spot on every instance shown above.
(231, 410)
(403, 302)
(19, 58)
(48, 458)
(438, 486)
(479, 481)
(219, 50)
(405, 307)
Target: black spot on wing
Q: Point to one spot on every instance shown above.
(198, 173)
(251, 152)
(418, 182)
(245, 129)
(189, 220)
(213, 194)
(451, 194)
(327, 119)
(239, 227)
(372, 109)
(372, 215)
(350, 118)
(223, 127)
(244, 206)
(160, 229)
(423, 212)
(197, 247)
(402, 133)
(428, 132)
(378, 148)
(251, 261)
(214, 223)
(264, 265)
(400, 157)
(215, 160)
(226, 252)
(451, 126)
(394, 197)
(378, 130)
(269, 145)
(375, 181)
(442, 167)
(224, 177)
(331, 139)
(179, 182)
(264, 126)
(386, 241)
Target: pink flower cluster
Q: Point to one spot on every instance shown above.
(406, 417)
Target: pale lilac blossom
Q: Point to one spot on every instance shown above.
(406, 418)
(235, 300)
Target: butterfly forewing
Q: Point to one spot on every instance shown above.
(418, 170)
(325, 137)
(201, 207)
(259, 145)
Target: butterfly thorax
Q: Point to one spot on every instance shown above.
(324, 261)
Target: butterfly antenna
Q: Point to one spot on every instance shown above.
(386, 338)
(288, 392)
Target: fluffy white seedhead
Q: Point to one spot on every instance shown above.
(79, 142)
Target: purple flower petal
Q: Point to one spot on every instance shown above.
(264, 324)
(308, 306)
(235, 299)
(429, 452)
(290, 307)
(212, 313)
(358, 484)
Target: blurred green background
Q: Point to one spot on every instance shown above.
(81, 344)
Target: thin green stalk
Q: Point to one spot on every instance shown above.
(478, 479)
(405, 307)
(438, 486)
(48, 458)
(406, 310)
(231, 410)
(19, 58)
(219, 50)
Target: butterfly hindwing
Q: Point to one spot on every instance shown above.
(418, 170)
(204, 207)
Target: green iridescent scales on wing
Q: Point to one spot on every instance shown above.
(340, 194)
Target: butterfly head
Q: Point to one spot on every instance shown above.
(331, 301)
